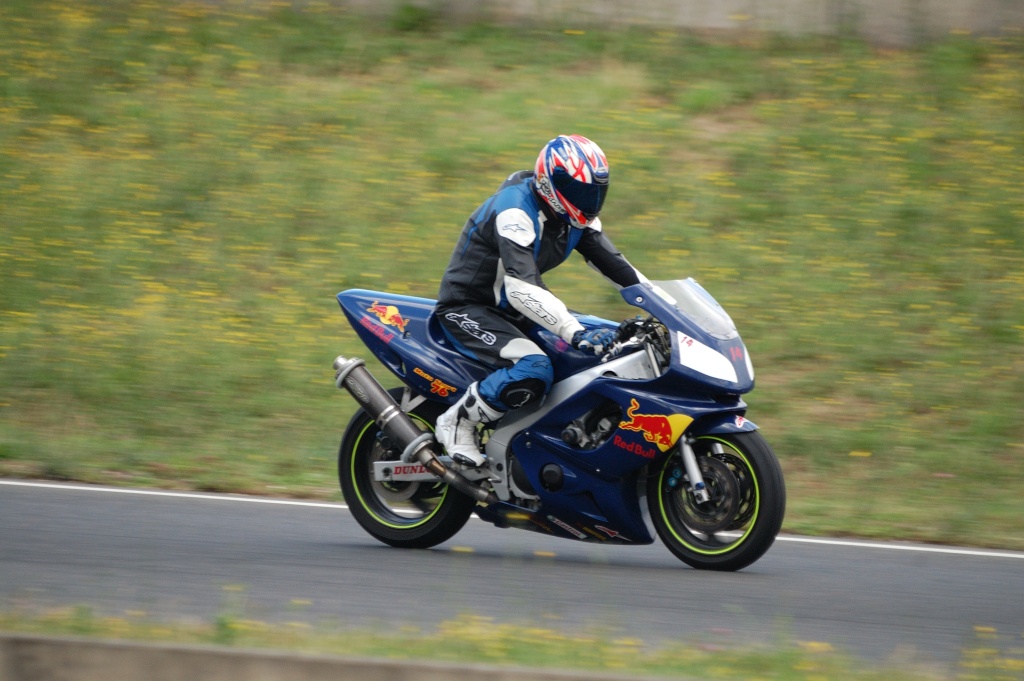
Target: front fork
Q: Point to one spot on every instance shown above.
(700, 492)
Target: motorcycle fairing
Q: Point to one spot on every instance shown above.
(706, 349)
(403, 334)
(598, 500)
(576, 516)
(719, 424)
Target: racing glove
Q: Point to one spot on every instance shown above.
(595, 341)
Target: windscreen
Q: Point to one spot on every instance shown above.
(690, 298)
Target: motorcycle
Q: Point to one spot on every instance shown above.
(650, 438)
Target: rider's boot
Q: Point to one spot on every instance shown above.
(456, 428)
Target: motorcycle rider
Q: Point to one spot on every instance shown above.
(493, 284)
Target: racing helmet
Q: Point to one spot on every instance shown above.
(572, 177)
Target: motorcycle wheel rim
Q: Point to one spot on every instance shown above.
(692, 540)
(378, 507)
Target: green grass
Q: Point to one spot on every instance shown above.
(184, 187)
(991, 657)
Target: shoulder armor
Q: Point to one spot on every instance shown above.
(515, 225)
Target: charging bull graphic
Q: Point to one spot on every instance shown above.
(661, 430)
(388, 314)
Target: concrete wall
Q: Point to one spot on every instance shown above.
(36, 658)
(888, 22)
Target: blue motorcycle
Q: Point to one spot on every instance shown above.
(649, 438)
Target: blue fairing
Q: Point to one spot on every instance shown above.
(697, 391)
(706, 349)
(403, 333)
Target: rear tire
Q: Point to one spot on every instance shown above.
(748, 502)
(414, 515)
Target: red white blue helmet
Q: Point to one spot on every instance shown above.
(572, 176)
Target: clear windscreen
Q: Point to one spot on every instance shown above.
(691, 299)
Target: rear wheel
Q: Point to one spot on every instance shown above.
(744, 515)
(414, 515)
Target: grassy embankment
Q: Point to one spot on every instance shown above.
(992, 656)
(184, 188)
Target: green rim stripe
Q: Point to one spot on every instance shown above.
(753, 518)
(366, 507)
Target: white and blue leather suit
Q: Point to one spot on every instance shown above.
(492, 288)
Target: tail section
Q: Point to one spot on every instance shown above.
(402, 333)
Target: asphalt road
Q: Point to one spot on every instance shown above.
(193, 557)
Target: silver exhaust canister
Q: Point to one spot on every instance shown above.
(352, 375)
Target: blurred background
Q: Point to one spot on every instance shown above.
(185, 186)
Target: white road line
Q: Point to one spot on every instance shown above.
(923, 548)
(181, 495)
(902, 547)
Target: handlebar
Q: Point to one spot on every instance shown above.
(619, 347)
(636, 333)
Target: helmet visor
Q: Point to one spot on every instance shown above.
(587, 198)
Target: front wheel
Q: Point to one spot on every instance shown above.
(748, 502)
(414, 515)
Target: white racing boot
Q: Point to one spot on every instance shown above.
(456, 428)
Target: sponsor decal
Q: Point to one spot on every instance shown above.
(388, 314)
(472, 328)
(543, 526)
(440, 388)
(376, 329)
(740, 420)
(409, 469)
(437, 386)
(548, 192)
(515, 225)
(661, 430)
(567, 527)
(356, 389)
(533, 305)
(612, 533)
(634, 448)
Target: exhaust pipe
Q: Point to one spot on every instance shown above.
(352, 375)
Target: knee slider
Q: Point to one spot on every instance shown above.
(522, 392)
(528, 380)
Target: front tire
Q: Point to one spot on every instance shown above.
(414, 515)
(748, 502)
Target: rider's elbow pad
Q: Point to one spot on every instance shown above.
(542, 307)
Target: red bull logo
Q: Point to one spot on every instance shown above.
(388, 314)
(658, 429)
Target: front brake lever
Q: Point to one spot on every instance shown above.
(619, 347)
